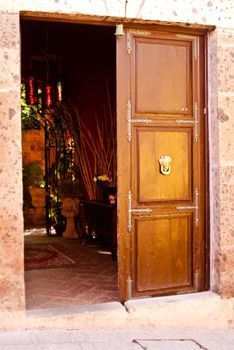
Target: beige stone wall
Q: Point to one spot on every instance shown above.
(225, 124)
(11, 219)
(221, 120)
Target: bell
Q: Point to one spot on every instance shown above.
(119, 30)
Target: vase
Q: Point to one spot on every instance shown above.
(38, 196)
(70, 210)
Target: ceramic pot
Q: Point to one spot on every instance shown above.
(70, 210)
(38, 196)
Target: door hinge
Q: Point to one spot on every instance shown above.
(129, 288)
(129, 43)
(193, 207)
(129, 118)
(204, 110)
(196, 49)
(195, 41)
(129, 211)
(196, 131)
(139, 32)
(195, 121)
(130, 121)
(197, 279)
(134, 211)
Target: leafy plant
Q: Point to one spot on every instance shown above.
(32, 176)
(70, 189)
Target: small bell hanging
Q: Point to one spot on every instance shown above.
(119, 30)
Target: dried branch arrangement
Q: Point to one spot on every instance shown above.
(97, 156)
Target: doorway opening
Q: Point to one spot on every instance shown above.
(69, 155)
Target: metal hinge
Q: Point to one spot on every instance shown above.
(195, 121)
(139, 32)
(197, 279)
(129, 118)
(196, 49)
(193, 207)
(195, 41)
(130, 121)
(129, 288)
(129, 40)
(129, 43)
(204, 111)
(195, 112)
(134, 211)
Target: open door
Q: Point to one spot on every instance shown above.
(160, 108)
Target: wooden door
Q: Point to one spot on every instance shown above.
(160, 107)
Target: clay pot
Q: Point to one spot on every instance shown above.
(70, 209)
(38, 201)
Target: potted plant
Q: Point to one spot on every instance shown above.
(34, 191)
(70, 206)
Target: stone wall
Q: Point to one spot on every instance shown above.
(220, 113)
(225, 124)
(11, 216)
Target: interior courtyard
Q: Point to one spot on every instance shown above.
(68, 116)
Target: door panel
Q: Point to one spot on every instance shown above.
(162, 252)
(154, 89)
(151, 144)
(161, 212)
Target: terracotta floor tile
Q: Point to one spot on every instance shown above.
(94, 280)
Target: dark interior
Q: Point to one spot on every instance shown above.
(86, 57)
(87, 61)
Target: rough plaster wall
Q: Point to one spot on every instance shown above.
(214, 159)
(221, 124)
(218, 12)
(11, 238)
(225, 121)
(221, 103)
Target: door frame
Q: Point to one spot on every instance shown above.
(123, 241)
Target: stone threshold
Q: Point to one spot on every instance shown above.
(129, 306)
(205, 309)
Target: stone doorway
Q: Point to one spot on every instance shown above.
(87, 61)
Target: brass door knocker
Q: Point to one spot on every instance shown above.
(165, 165)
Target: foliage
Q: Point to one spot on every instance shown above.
(32, 176)
(29, 118)
(70, 189)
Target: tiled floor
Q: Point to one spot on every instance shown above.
(94, 281)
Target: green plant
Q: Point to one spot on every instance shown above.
(32, 176)
(29, 117)
(70, 188)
